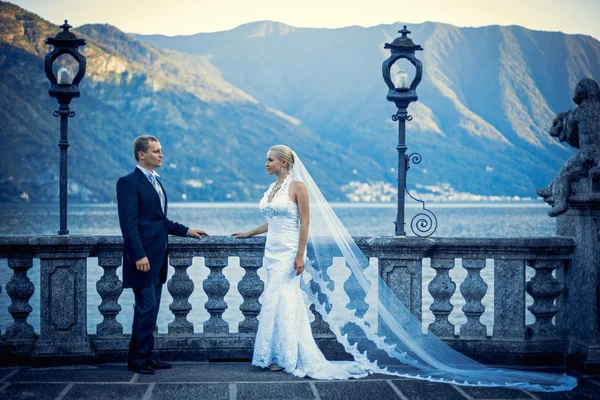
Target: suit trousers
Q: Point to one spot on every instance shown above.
(147, 303)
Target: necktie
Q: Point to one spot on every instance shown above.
(161, 195)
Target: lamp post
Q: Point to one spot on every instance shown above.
(64, 88)
(402, 94)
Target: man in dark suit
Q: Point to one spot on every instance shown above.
(143, 218)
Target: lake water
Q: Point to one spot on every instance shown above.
(454, 220)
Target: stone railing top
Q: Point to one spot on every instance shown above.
(381, 247)
(503, 248)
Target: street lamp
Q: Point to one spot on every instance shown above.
(402, 94)
(64, 88)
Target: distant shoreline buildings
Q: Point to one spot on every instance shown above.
(384, 192)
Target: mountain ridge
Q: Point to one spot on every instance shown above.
(486, 92)
(218, 101)
(132, 88)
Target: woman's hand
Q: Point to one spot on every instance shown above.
(240, 235)
(299, 265)
(256, 231)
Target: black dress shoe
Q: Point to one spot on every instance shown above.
(143, 370)
(155, 364)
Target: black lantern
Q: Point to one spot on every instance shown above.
(64, 88)
(402, 94)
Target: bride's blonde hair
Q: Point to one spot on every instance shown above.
(284, 153)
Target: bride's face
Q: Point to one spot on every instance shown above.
(273, 164)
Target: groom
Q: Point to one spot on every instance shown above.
(145, 227)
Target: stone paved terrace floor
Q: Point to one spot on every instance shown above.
(229, 380)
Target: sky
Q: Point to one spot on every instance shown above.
(186, 17)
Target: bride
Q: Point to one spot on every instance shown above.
(386, 338)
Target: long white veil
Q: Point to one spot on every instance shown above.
(382, 335)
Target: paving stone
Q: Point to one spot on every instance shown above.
(274, 391)
(355, 390)
(95, 391)
(211, 381)
(191, 391)
(217, 372)
(71, 374)
(416, 389)
(37, 391)
(5, 371)
(494, 393)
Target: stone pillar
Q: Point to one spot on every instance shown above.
(357, 295)
(404, 276)
(400, 271)
(109, 288)
(509, 299)
(63, 299)
(216, 287)
(544, 289)
(20, 334)
(441, 289)
(181, 288)
(581, 314)
(250, 287)
(473, 289)
(319, 326)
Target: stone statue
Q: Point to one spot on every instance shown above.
(580, 128)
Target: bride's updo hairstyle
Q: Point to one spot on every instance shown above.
(284, 153)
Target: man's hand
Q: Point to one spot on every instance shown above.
(299, 265)
(143, 264)
(197, 233)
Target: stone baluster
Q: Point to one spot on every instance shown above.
(318, 325)
(180, 287)
(442, 288)
(509, 299)
(20, 289)
(63, 298)
(250, 287)
(544, 289)
(216, 287)
(109, 288)
(357, 296)
(473, 289)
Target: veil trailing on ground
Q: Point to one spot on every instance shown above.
(380, 333)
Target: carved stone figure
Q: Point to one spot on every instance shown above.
(580, 128)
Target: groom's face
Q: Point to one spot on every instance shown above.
(153, 157)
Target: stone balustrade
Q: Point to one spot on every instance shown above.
(63, 335)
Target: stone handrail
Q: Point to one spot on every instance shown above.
(63, 333)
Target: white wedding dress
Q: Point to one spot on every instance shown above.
(284, 336)
(390, 341)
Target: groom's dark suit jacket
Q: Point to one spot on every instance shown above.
(145, 229)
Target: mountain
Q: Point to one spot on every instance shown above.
(214, 135)
(218, 101)
(487, 98)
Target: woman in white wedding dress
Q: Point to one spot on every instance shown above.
(284, 339)
(386, 339)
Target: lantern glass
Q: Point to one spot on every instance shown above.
(62, 64)
(65, 77)
(401, 80)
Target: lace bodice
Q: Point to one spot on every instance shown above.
(281, 206)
